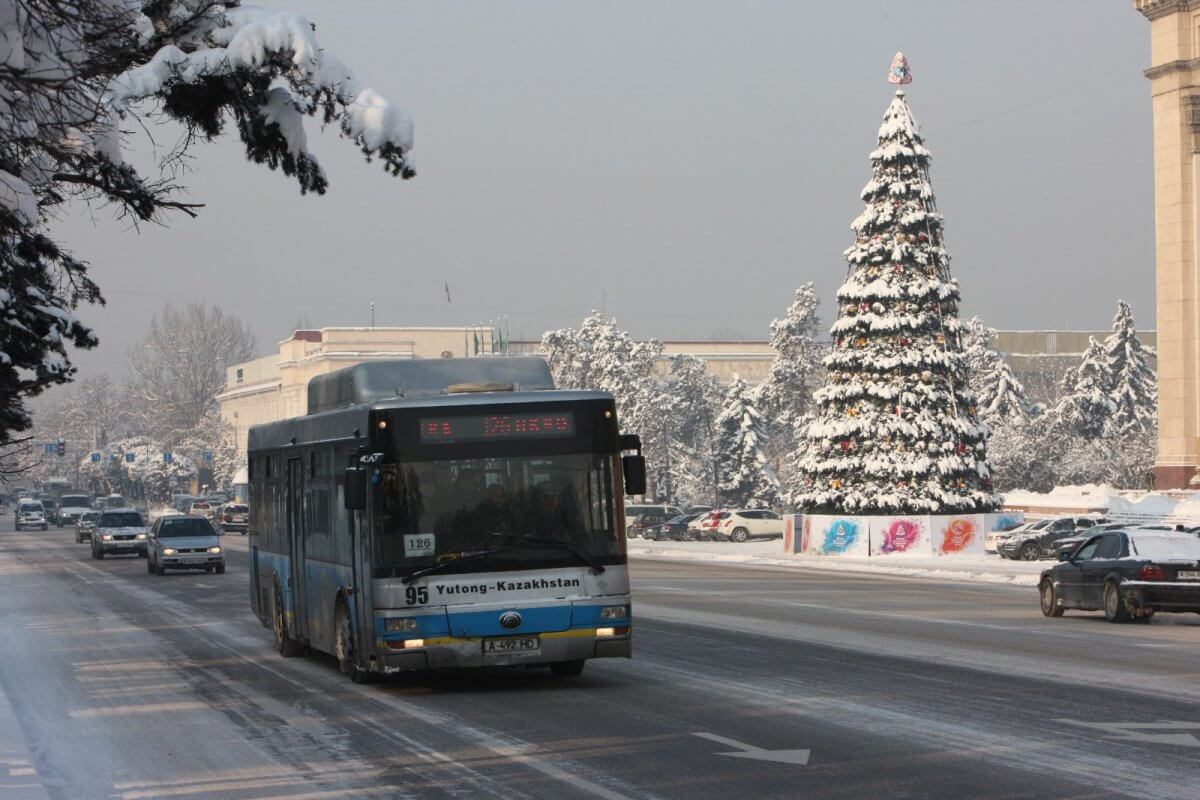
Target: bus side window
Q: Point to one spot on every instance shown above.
(342, 532)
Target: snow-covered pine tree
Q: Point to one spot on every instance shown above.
(999, 394)
(1134, 382)
(695, 400)
(1087, 409)
(746, 479)
(896, 430)
(785, 395)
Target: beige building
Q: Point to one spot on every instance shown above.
(1174, 75)
(275, 387)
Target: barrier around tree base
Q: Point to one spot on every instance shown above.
(920, 535)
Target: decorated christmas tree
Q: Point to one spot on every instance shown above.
(896, 428)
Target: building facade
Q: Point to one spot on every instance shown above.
(1174, 75)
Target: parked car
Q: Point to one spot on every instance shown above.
(674, 530)
(633, 512)
(704, 527)
(644, 522)
(1034, 544)
(119, 531)
(184, 542)
(992, 542)
(1127, 574)
(70, 508)
(50, 507)
(758, 523)
(29, 514)
(85, 525)
(234, 517)
(697, 509)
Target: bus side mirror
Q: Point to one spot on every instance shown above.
(634, 469)
(356, 489)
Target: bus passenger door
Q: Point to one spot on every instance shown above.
(295, 525)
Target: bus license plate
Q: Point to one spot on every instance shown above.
(1187, 575)
(522, 645)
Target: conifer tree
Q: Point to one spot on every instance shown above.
(1134, 384)
(896, 428)
(785, 395)
(1087, 408)
(746, 479)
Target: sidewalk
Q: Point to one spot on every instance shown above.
(973, 568)
(18, 775)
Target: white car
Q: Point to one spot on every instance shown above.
(119, 530)
(184, 542)
(30, 514)
(755, 523)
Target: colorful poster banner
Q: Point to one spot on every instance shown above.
(1003, 520)
(900, 536)
(958, 535)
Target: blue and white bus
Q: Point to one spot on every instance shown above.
(444, 513)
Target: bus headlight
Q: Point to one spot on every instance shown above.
(400, 625)
(168, 551)
(214, 550)
(614, 612)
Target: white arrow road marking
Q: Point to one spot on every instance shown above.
(1143, 731)
(799, 757)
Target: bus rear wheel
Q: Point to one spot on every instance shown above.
(288, 647)
(342, 648)
(566, 669)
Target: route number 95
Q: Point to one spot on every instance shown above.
(416, 595)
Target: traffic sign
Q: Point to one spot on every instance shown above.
(49, 448)
(95, 458)
(168, 458)
(130, 457)
(206, 456)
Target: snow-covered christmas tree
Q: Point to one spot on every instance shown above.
(1134, 389)
(896, 429)
(746, 479)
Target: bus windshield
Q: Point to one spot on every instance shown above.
(429, 511)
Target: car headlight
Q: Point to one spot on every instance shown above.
(400, 625)
(614, 612)
(140, 537)
(214, 550)
(106, 537)
(169, 551)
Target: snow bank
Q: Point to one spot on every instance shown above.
(975, 569)
(1118, 505)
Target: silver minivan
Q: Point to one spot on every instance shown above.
(184, 542)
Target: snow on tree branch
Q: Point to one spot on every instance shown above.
(72, 72)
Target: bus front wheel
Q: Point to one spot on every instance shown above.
(288, 647)
(566, 669)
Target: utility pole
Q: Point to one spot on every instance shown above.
(372, 315)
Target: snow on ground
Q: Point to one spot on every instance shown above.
(1119, 505)
(973, 568)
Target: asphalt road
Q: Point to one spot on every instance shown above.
(746, 682)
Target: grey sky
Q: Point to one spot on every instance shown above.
(684, 164)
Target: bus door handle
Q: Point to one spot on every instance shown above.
(289, 580)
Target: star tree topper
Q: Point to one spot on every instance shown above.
(899, 72)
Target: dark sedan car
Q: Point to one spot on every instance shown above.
(675, 530)
(1127, 574)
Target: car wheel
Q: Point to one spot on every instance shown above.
(688, 536)
(220, 570)
(1114, 605)
(1030, 552)
(288, 647)
(740, 534)
(566, 669)
(143, 554)
(159, 569)
(1050, 605)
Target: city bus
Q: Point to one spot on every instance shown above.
(444, 513)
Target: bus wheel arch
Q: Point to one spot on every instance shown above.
(288, 647)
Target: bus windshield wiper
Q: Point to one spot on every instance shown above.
(441, 565)
(574, 549)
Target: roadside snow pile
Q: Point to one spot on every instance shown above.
(1117, 505)
(975, 569)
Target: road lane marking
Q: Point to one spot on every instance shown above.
(1142, 731)
(798, 757)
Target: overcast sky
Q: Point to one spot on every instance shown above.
(682, 165)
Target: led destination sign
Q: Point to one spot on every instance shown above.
(496, 427)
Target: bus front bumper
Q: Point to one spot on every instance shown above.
(449, 652)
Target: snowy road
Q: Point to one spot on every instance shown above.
(117, 683)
